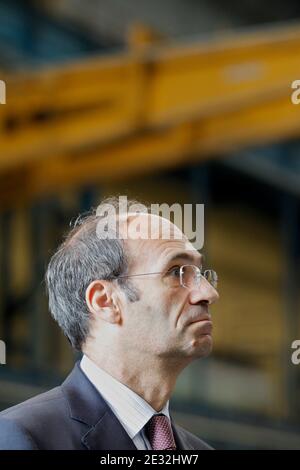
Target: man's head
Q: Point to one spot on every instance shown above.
(124, 296)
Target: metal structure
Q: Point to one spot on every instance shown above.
(104, 119)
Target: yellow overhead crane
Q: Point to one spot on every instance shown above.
(151, 107)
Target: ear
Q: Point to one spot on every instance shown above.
(101, 303)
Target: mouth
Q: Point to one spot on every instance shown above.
(205, 326)
(200, 317)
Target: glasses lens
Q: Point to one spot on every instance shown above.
(212, 277)
(190, 276)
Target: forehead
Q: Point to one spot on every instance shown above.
(159, 240)
(149, 227)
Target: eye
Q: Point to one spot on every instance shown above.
(175, 271)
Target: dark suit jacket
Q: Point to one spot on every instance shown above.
(73, 416)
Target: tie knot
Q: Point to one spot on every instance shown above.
(160, 434)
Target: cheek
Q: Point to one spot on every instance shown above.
(157, 310)
(169, 309)
(178, 301)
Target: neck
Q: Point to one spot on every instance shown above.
(153, 379)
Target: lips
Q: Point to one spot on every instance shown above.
(205, 326)
(198, 317)
(201, 320)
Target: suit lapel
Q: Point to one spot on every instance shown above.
(181, 440)
(108, 434)
(104, 431)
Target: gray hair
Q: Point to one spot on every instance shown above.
(82, 258)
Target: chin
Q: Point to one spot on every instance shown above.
(200, 347)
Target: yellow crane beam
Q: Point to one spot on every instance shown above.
(148, 108)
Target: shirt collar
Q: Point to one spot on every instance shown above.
(132, 411)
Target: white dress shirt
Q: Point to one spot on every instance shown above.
(132, 411)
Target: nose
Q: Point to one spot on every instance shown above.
(205, 292)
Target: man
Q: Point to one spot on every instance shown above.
(138, 311)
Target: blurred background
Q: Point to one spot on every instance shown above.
(174, 101)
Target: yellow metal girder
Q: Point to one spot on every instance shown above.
(155, 107)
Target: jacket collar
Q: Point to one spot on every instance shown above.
(87, 406)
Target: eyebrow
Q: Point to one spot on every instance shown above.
(186, 257)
